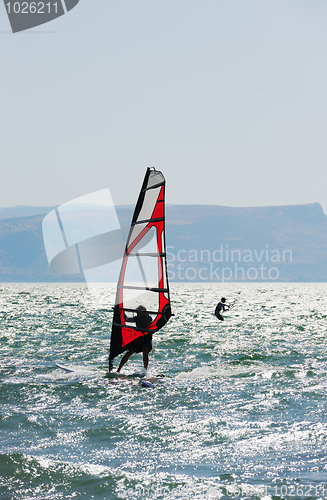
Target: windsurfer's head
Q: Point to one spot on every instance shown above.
(141, 309)
(223, 299)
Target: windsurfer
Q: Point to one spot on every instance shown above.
(147, 261)
(221, 306)
(141, 344)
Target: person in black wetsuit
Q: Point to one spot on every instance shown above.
(141, 344)
(221, 306)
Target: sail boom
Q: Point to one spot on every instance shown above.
(151, 289)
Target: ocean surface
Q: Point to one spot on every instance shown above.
(240, 413)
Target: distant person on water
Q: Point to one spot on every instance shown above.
(141, 344)
(221, 306)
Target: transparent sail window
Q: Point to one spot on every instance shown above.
(155, 178)
(133, 298)
(149, 203)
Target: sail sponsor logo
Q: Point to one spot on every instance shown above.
(225, 264)
(27, 14)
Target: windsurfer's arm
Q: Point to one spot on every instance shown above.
(130, 320)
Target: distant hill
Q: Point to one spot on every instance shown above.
(204, 243)
(22, 211)
(286, 243)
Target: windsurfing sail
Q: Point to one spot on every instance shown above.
(143, 280)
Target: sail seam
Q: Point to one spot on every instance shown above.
(140, 254)
(147, 220)
(153, 187)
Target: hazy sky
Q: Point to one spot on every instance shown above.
(227, 97)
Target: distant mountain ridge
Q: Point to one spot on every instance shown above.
(22, 211)
(204, 243)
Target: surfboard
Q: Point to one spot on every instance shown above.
(123, 375)
(139, 377)
(65, 368)
(135, 378)
(132, 376)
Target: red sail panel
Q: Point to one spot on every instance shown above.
(143, 283)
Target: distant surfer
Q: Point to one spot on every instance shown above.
(221, 306)
(141, 344)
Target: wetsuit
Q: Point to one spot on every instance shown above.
(220, 306)
(141, 321)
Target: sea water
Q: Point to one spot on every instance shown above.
(240, 413)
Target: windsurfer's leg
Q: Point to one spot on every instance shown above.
(124, 360)
(219, 316)
(146, 351)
